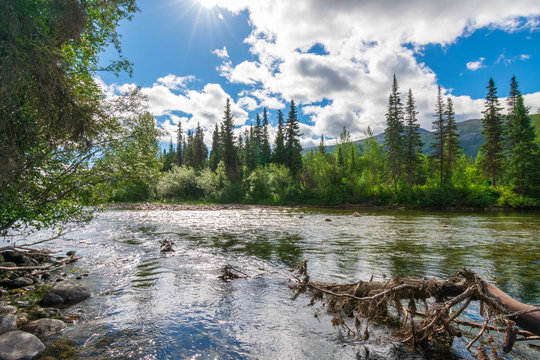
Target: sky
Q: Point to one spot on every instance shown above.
(336, 59)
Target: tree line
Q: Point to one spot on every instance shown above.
(251, 167)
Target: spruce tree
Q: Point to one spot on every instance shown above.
(200, 151)
(452, 147)
(412, 143)
(491, 161)
(439, 133)
(293, 149)
(393, 134)
(179, 144)
(523, 156)
(266, 152)
(230, 156)
(189, 151)
(322, 148)
(257, 139)
(215, 153)
(279, 144)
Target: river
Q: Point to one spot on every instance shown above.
(149, 305)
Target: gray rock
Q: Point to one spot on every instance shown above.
(22, 319)
(21, 282)
(19, 345)
(8, 309)
(44, 328)
(8, 323)
(47, 312)
(2, 259)
(66, 293)
(9, 264)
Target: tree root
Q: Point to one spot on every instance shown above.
(448, 299)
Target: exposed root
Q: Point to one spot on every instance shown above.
(444, 301)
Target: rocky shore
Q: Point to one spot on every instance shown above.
(34, 290)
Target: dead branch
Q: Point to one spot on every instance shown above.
(372, 300)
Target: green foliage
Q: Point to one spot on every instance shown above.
(509, 198)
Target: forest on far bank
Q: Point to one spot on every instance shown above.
(252, 168)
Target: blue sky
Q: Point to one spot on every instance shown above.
(335, 59)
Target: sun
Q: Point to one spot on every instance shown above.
(208, 4)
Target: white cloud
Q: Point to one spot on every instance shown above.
(174, 82)
(221, 53)
(525, 57)
(475, 65)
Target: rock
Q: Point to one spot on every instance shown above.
(22, 319)
(66, 293)
(18, 258)
(327, 219)
(2, 259)
(8, 323)
(44, 328)
(166, 246)
(355, 214)
(70, 253)
(21, 282)
(47, 312)
(9, 264)
(8, 309)
(19, 345)
(6, 283)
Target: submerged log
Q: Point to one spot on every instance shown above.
(372, 300)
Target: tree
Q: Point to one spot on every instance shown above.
(393, 134)
(279, 144)
(453, 149)
(321, 148)
(293, 149)
(230, 155)
(53, 122)
(412, 143)
(179, 144)
(523, 155)
(189, 150)
(265, 141)
(215, 153)
(491, 161)
(439, 125)
(200, 151)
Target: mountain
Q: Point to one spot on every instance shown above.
(470, 136)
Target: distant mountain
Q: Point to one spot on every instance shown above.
(470, 136)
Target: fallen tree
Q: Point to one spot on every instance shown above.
(442, 301)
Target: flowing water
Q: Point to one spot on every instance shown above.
(149, 305)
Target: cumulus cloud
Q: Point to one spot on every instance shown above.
(365, 43)
(221, 53)
(475, 65)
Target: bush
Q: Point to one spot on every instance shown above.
(509, 198)
(180, 184)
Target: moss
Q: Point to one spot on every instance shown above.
(61, 349)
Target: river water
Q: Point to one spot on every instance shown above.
(149, 305)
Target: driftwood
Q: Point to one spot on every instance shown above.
(443, 301)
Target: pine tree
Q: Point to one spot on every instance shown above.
(322, 148)
(412, 143)
(189, 151)
(266, 152)
(251, 149)
(179, 144)
(293, 149)
(215, 153)
(257, 139)
(512, 102)
(439, 133)
(452, 147)
(393, 134)
(230, 155)
(523, 156)
(279, 144)
(200, 151)
(491, 162)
